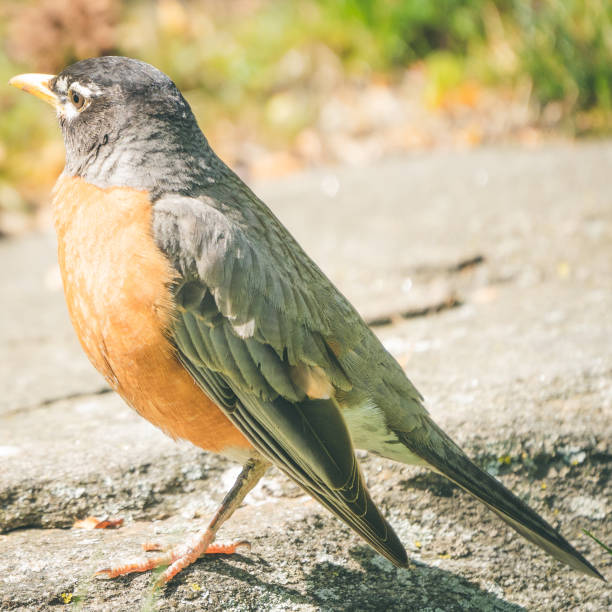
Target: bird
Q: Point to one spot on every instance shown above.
(204, 313)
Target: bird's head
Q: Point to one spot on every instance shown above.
(120, 115)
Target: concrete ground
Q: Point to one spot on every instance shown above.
(488, 274)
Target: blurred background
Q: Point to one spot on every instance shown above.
(281, 85)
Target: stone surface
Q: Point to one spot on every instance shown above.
(509, 254)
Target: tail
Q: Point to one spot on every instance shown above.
(445, 457)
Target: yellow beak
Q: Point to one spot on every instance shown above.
(37, 85)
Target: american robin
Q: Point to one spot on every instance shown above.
(207, 317)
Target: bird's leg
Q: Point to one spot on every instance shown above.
(178, 558)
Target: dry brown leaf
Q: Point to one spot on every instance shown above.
(91, 522)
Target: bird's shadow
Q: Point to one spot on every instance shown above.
(377, 586)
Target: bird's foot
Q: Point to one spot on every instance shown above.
(179, 557)
(174, 559)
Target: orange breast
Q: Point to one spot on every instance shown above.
(116, 285)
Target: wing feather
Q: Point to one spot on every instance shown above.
(258, 345)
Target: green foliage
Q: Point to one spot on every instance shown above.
(266, 68)
(566, 48)
(405, 30)
(606, 548)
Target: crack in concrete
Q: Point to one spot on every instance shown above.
(60, 398)
(430, 272)
(449, 269)
(452, 301)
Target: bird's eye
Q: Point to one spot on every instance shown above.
(77, 99)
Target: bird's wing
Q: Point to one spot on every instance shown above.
(259, 332)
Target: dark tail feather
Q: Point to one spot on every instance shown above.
(368, 526)
(443, 455)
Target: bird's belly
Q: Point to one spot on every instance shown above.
(116, 283)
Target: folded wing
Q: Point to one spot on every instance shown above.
(263, 348)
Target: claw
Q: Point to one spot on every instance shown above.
(174, 560)
(128, 568)
(228, 549)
